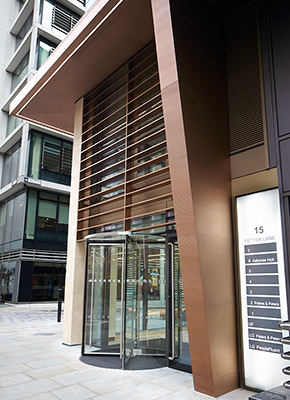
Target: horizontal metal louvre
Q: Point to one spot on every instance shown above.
(51, 156)
(33, 255)
(66, 160)
(244, 82)
(124, 178)
(56, 157)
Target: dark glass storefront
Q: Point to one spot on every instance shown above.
(47, 279)
(40, 281)
(8, 277)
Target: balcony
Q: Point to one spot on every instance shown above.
(62, 20)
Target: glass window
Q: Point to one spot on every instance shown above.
(44, 49)
(47, 279)
(66, 159)
(31, 214)
(35, 155)
(46, 13)
(156, 219)
(11, 164)
(17, 218)
(20, 71)
(7, 275)
(89, 3)
(11, 222)
(21, 2)
(3, 210)
(12, 124)
(63, 221)
(50, 158)
(46, 220)
(25, 28)
(51, 154)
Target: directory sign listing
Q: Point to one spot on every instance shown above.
(262, 288)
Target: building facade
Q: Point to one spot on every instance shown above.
(35, 163)
(179, 210)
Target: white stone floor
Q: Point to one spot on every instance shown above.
(34, 365)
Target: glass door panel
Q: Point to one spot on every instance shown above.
(102, 331)
(145, 312)
(179, 357)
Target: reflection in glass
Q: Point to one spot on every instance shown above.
(50, 158)
(25, 28)
(7, 279)
(12, 123)
(11, 222)
(46, 221)
(145, 314)
(181, 344)
(103, 305)
(11, 164)
(44, 49)
(20, 71)
(47, 279)
(125, 297)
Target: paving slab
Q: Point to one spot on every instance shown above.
(35, 365)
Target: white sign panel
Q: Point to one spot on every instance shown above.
(263, 289)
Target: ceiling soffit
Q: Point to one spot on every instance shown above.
(96, 47)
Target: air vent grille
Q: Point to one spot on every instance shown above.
(244, 82)
(33, 255)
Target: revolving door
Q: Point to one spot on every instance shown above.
(134, 305)
(125, 300)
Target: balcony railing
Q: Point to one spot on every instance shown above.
(62, 20)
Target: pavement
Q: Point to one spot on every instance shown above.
(35, 365)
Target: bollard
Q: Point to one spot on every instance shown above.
(59, 303)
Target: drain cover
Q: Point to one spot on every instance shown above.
(44, 334)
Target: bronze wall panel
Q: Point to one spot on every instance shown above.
(191, 59)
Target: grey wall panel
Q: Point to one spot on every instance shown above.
(280, 27)
(285, 164)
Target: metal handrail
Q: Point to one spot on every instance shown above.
(92, 300)
(62, 20)
(171, 358)
(122, 333)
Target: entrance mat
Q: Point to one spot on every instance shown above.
(114, 362)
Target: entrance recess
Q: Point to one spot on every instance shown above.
(128, 292)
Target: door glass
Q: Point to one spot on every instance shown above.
(145, 313)
(103, 299)
(181, 358)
